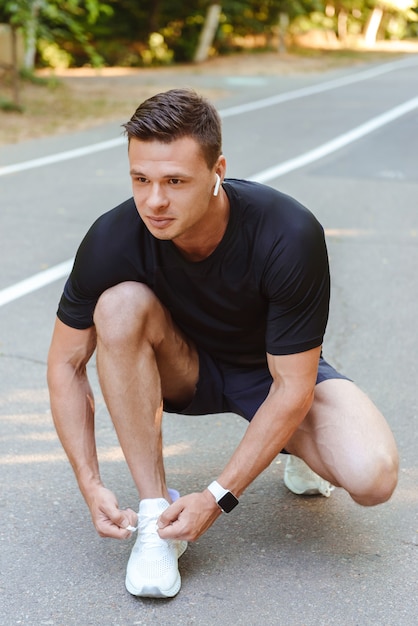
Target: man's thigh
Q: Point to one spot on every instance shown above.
(344, 436)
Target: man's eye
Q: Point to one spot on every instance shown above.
(175, 181)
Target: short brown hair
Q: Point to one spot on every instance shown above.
(178, 113)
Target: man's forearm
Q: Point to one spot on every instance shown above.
(267, 434)
(272, 426)
(286, 406)
(72, 406)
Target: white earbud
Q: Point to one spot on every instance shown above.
(217, 185)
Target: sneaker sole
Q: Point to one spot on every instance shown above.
(153, 591)
(307, 492)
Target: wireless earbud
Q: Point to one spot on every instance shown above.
(217, 185)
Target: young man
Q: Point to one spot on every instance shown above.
(204, 295)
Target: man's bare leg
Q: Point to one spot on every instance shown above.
(346, 440)
(141, 357)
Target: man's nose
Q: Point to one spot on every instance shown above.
(157, 198)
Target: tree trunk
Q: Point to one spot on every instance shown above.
(31, 29)
(154, 17)
(372, 26)
(15, 69)
(283, 25)
(342, 25)
(208, 33)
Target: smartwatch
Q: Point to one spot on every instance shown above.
(224, 498)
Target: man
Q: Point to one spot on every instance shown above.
(204, 295)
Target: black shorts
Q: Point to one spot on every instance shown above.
(224, 388)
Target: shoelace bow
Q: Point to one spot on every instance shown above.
(147, 531)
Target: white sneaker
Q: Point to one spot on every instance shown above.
(152, 569)
(300, 479)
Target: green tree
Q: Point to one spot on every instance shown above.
(52, 20)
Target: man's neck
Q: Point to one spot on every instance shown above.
(202, 246)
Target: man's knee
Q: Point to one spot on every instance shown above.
(378, 481)
(123, 310)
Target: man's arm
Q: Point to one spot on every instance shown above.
(72, 406)
(280, 415)
(286, 406)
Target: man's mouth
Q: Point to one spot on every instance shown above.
(160, 222)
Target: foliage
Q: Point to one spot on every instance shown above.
(9, 106)
(61, 22)
(145, 32)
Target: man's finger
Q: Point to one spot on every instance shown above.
(126, 519)
(170, 515)
(111, 530)
(117, 523)
(132, 519)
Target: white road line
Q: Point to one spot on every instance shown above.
(35, 282)
(319, 88)
(60, 271)
(229, 112)
(335, 144)
(62, 156)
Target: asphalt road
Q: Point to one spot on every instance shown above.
(278, 559)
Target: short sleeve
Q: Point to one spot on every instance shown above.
(297, 286)
(102, 261)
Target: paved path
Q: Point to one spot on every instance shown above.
(278, 559)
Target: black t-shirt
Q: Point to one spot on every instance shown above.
(265, 288)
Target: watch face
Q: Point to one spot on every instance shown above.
(228, 502)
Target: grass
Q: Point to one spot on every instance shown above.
(8, 105)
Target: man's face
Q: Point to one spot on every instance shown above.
(173, 188)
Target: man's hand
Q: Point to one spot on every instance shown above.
(189, 517)
(108, 519)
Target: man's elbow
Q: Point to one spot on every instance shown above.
(305, 400)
